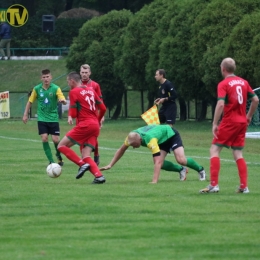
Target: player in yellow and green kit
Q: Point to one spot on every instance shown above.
(48, 95)
(160, 139)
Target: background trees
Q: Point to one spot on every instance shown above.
(188, 38)
(96, 46)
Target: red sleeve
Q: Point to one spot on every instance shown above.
(73, 112)
(221, 91)
(102, 111)
(98, 90)
(101, 106)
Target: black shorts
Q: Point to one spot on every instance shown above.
(48, 128)
(173, 143)
(167, 113)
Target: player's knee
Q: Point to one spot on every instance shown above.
(181, 160)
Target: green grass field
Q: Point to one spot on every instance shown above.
(125, 218)
(23, 75)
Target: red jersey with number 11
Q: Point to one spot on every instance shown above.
(235, 91)
(83, 105)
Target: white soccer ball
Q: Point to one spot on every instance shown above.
(53, 170)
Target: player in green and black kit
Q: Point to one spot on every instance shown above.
(48, 95)
(160, 139)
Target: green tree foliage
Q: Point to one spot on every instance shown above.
(175, 54)
(131, 64)
(154, 60)
(210, 32)
(31, 36)
(255, 52)
(240, 47)
(106, 6)
(96, 46)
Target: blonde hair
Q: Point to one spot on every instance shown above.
(85, 66)
(229, 64)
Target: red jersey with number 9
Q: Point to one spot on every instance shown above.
(83, 105)
(235, 91)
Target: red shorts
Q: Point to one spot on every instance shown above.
(84, 136)
(231, 135)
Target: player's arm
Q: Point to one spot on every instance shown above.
(70, 120)
(101, 107)
(102, 110)
(172, 93)
(73, 111)
(157, 168)
(32, 98)
(217, 115)
(119, 153)
(61, 97)
(26, 111)
(154, 147)
(98, 91)
(252, 109)
(156, 101)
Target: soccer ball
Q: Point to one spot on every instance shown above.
(53, 170)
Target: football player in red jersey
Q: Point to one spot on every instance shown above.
(233, 93)
(84, 103)
(85, 73)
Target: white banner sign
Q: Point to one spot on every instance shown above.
(4, 105)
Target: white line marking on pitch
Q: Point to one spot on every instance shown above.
(114, 149)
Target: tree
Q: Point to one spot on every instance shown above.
(255, 52)
(135, 42)
(240, 47)
(154, 62)
(211, 31)
(175, 53)
(106, 6)
(96, 45)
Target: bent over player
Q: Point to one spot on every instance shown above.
(160, 139)
(83, 105)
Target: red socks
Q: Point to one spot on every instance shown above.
(214, 170)
(93, 167)
(215, 167)
(242, 172)
(71, 155)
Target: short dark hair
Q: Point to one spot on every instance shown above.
(162, 72)
(46, 71)
(74, 75)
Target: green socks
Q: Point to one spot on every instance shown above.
(47, 150)
(57, 151)
(193, 165)
(169, 166)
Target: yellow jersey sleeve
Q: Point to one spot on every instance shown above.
(60, 94)
(153, 146)
(33, 96)
(126, 142)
